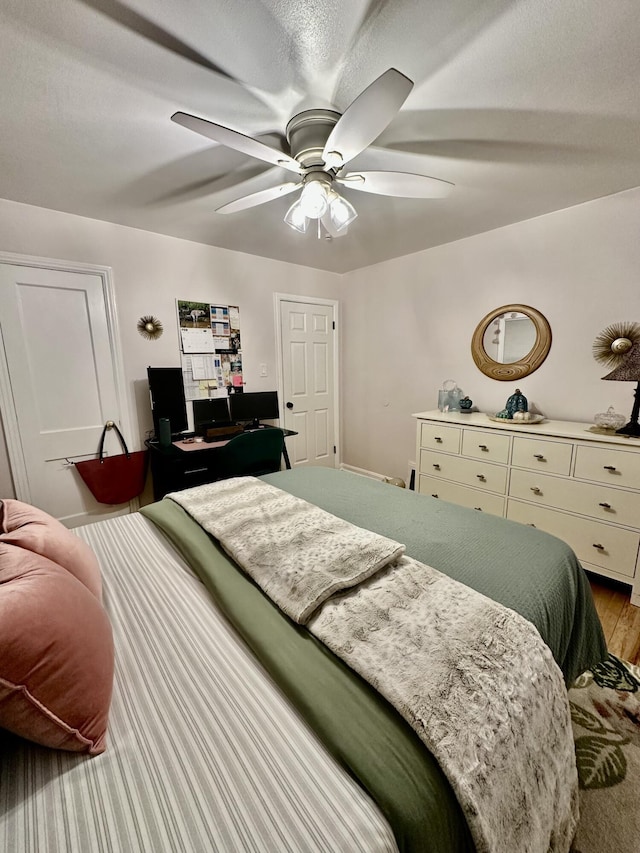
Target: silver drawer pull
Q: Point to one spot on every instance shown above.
(539, 457)
(436, 466)
(438, 439)
(483, 447)
(535, 490)
(434, 496)
(605, 505)
(479, 508)
(598, 546)
(481, 477)
(609, 467)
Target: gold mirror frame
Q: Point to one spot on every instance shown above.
(522, 367)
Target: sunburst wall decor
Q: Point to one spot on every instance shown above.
(150, 327)
(614, 342)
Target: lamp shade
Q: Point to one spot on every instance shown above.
(628, 368)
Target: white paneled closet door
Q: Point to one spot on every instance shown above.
(60, 383)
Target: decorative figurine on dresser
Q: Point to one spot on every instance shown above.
(465, 404)
(516, 408)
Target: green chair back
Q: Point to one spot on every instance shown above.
(253, 453)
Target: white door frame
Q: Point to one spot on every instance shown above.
(278, 299)
(15, 449)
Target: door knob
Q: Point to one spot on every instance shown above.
(289, 405)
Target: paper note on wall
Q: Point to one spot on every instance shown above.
(205, 366)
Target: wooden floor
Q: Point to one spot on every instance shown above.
(620, 619)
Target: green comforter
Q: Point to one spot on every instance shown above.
(533, 573)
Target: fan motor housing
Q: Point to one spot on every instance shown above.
(307, 133)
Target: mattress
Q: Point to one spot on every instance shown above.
(204, 752)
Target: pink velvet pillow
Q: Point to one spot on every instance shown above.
(56, 654)
(29, 527)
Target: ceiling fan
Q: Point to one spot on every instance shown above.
(321, 143)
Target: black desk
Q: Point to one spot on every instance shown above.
(184, 464)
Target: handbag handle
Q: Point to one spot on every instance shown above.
(111, 425)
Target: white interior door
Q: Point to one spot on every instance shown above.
(308, 368)
(60, 383)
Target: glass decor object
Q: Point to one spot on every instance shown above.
(609, 419)
(449, 396)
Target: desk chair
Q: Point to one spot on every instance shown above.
(252, 453)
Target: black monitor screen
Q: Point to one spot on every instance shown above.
(209, 411)
(167, 398)
(254, 406)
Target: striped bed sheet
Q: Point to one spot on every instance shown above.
(204, 753)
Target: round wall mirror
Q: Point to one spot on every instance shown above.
(511, 342)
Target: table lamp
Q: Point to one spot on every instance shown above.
(628, 370)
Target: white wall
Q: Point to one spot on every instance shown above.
(150, 272)
(406, 324)
(409, 322)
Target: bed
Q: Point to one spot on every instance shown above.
(232, 728)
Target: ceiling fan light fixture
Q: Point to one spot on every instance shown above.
(342, 212)
(314, 198)
(295, 217)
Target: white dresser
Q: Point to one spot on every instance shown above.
(581, 486)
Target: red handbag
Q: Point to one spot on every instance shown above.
(115, 479)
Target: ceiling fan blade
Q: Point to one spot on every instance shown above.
(401, 184)
(236, 140)
(366, 118)
(262, 196)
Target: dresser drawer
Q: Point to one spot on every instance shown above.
(461, 495)
(489, 446)
(608, 547)
(468, 472)
(552, 457)
(440, 437)
(600, 502)
(614, 467)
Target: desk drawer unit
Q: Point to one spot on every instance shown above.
(468, 472)
(612, 548)
(462, 495)
(561, 477)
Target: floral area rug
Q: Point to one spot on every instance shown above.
(605, 713)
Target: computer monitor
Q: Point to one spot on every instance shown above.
(166, 389)
(210, 411)
(254, 407)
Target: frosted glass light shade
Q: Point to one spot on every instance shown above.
(295, 217)
(342, 212)
(314, 199)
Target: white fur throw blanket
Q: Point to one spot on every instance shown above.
(473, 678)
(296, 552)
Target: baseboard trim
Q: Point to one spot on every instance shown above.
(362, 472)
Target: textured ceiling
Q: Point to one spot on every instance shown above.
(527, 107)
